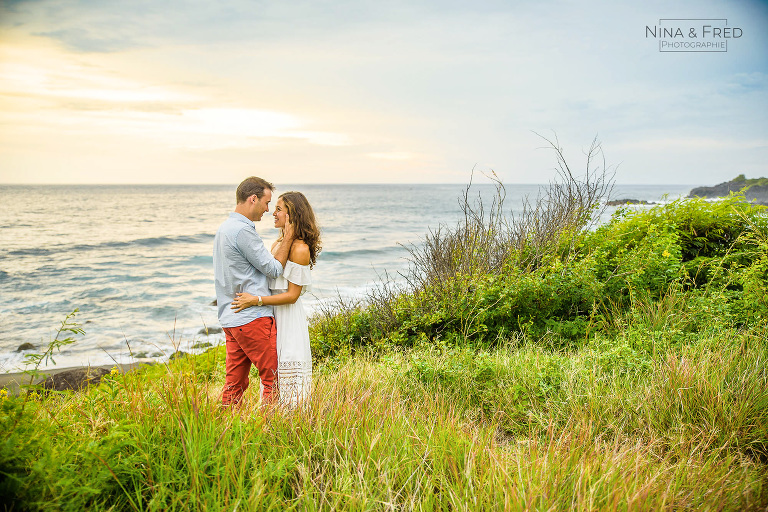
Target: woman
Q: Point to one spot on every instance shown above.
(294, 357)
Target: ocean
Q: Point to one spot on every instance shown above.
(135, 260)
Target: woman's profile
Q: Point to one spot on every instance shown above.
(294, 356)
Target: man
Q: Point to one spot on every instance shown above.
(242, 263)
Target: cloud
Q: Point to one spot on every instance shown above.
(695, 143)
(43, 72)
(394, 155)
(216, 128)
(83, 40)
(746, 83)
(45, 93)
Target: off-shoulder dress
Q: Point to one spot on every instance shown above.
(294, 356)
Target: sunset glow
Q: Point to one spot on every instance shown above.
(93, 93)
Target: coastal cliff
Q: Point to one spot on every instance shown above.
(755, 190)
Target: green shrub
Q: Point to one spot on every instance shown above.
(689, 265)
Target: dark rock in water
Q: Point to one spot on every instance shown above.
(619, 202)
(74, 379)
(177, 355)
(755, 190)
(202, 344)
(210, 330)
(214, 303)
(25, 346)
(146, 355)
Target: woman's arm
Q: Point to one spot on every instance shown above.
(299, 254)
(246, 300)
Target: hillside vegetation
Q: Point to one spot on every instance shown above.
(753, 189)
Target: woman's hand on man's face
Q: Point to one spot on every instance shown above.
(288, 232)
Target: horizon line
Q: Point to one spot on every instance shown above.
(304, 183)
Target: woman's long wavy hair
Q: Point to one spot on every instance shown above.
(305, 227)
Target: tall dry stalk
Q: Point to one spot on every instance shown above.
(489, 241)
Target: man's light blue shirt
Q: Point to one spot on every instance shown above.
(241, 263)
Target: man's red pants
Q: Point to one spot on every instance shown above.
(252, 343)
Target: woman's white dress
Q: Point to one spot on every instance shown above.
(294, 357)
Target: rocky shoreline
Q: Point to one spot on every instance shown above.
(60, 379)
(754, 190)
(77, 377)
(623, 202)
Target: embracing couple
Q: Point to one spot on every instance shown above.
(258, 294)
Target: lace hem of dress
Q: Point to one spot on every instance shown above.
(286, 365)
(294, 382)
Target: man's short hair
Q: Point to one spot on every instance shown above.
(250, 186)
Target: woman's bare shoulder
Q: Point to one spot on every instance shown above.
(299, 252)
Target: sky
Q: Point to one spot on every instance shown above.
(366, 91)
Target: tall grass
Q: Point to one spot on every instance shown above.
(518, 428)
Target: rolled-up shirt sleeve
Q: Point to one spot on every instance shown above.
(251, 246)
